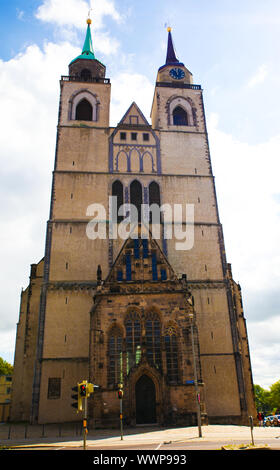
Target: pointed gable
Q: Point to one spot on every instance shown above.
(134, 117)
(141, 260)
(134, 145)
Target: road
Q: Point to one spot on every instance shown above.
(179, 441)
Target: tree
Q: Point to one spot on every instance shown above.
(274, 397)
(268, 401)
(5, 367)
(262, 399)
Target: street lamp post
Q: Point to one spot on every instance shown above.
(197, 397)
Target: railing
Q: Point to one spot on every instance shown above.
(74, 78)
(36, 432)
(178, 85)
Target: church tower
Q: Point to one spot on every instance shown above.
(160, 315)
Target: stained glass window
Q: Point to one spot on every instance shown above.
(115, 369)
(133, 340)
(171, 350)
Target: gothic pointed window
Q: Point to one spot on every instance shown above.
(133, 340)
(154, 198)
(83, 106)
(136, 197)
(84, 111)
(180, 117)
(117, 191)
(115, 357)
(152, 330)
(171, 351)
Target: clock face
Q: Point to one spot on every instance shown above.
(177, 73)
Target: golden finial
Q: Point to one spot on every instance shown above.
(169, 29)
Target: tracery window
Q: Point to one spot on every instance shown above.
(115, 356)
(152, 330)
(133, 340)
(171, 351)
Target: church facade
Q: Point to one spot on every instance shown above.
(156, 310)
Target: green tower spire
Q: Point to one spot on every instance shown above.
(87, 52)
(88, 47)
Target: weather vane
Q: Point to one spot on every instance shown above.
(168, 26)
(89, 18)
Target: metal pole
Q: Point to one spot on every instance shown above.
(85, 423)
(196, 385)
(252, 427)
(121, 418)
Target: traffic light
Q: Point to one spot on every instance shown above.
(76, 396)
(120, 394)
(83, 389)
(90, 389)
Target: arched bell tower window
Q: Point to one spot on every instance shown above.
(83, 106)
(84, 111)
(180, 117)
(181, 112)
(85, 75)
(117, 191)
(136, 197)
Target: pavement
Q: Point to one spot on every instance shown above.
(213, 437)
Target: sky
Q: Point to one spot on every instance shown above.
(232, 49)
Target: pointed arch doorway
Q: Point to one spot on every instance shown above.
(145, 394)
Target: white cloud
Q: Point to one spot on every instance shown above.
(265, 351)
(129, 87)
(247, 182)
(71, 19)
(74, 12)
(259, 76)
(7, 345)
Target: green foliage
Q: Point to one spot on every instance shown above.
(275, 395)
(5, 367)
(268, 401)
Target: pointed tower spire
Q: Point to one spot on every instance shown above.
(171, 55)
(87, 52)
(88, 47)
(171, 58)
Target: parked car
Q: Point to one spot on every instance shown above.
(273, 420)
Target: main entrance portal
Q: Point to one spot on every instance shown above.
(145, 401)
